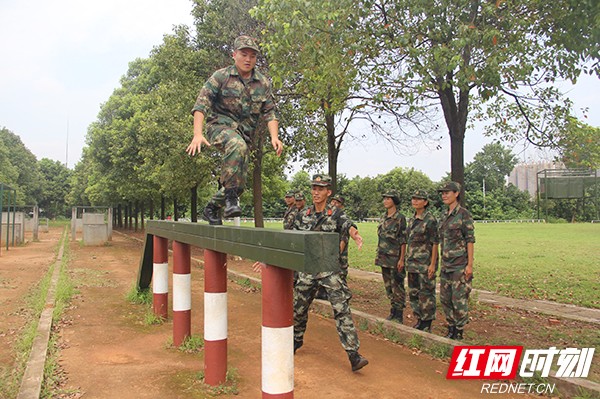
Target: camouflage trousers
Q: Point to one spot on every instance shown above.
(421, 293)
(234, 168)
(339, 296)
(454, 297)
(393, 280)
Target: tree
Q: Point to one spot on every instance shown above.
(579, 145)
(55, 188)
(23, 169)
(316, 60)
(463, 54)
(491, 165)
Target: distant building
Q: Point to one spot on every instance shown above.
(524, 175)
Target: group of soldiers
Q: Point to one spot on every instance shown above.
(229, 107)
(408, 250)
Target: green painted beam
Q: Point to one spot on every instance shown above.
(304, 251)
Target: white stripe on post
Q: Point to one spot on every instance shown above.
(215, 310)
(182, 292)
(277, 360)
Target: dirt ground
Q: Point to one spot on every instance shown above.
(107, 351)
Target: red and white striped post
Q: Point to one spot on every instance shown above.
(160, 277)
(277, 332)
(182, 292)
(215, 317)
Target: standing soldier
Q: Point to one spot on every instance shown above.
(421, 260)
(338, 200)
(232, 101)
(300, 201)
(323, 217)
(457, 237)
(390, 254)
(290, 213)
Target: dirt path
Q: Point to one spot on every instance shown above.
(109, 353)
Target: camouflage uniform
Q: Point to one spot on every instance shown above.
(391, 233)
(233, 108)
(455, 231)
(421, 236)
(289, 216)
(331, 219)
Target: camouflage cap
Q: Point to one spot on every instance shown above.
(321, 180)
(299, 196)
(450, 186)
(422, 194)
(245, 42)
(393, 194)
(339, 199)
(290, 193)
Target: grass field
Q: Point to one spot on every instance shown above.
(557, 262)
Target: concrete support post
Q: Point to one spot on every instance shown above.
(36, 222)
(277, 332)
(215, 317)
(73, 223)
(109, 220)
(160, 277)
(182, 292)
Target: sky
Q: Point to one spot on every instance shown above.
(61, 60)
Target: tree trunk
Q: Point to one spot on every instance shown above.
(142, 215)
(175, 213)
(136, 211)
(130, 214)
(194, 204)
(456, 120)
(120, 216)
(151, 209)
(333, 150)
(162, 208)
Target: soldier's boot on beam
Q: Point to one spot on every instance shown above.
(232, 207)
(211, 214)
(424, 325)
(356, 360)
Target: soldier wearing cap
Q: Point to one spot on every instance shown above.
(232, 102)
(321, 216)
(338, 200)
(457, 237)
(421, 260)
(290, 213)
(300, 201)
(391, 248)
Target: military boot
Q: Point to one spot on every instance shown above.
(356, 360)
(232, 206)
(450, 333)
(425, 325)
(396, 315)
(211, 214)
(297, 345)
(417, 324)
(458, 334)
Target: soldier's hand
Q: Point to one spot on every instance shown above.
(468, 273)
(277, 146)
(400, 265)
(431, 272)
(196, 145)
(358, 240)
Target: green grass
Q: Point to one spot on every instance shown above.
(556, 262)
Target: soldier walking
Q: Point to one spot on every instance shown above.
(457, 236)
(391, 249)
(321, 216)
(421, 260)
(232, 101)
